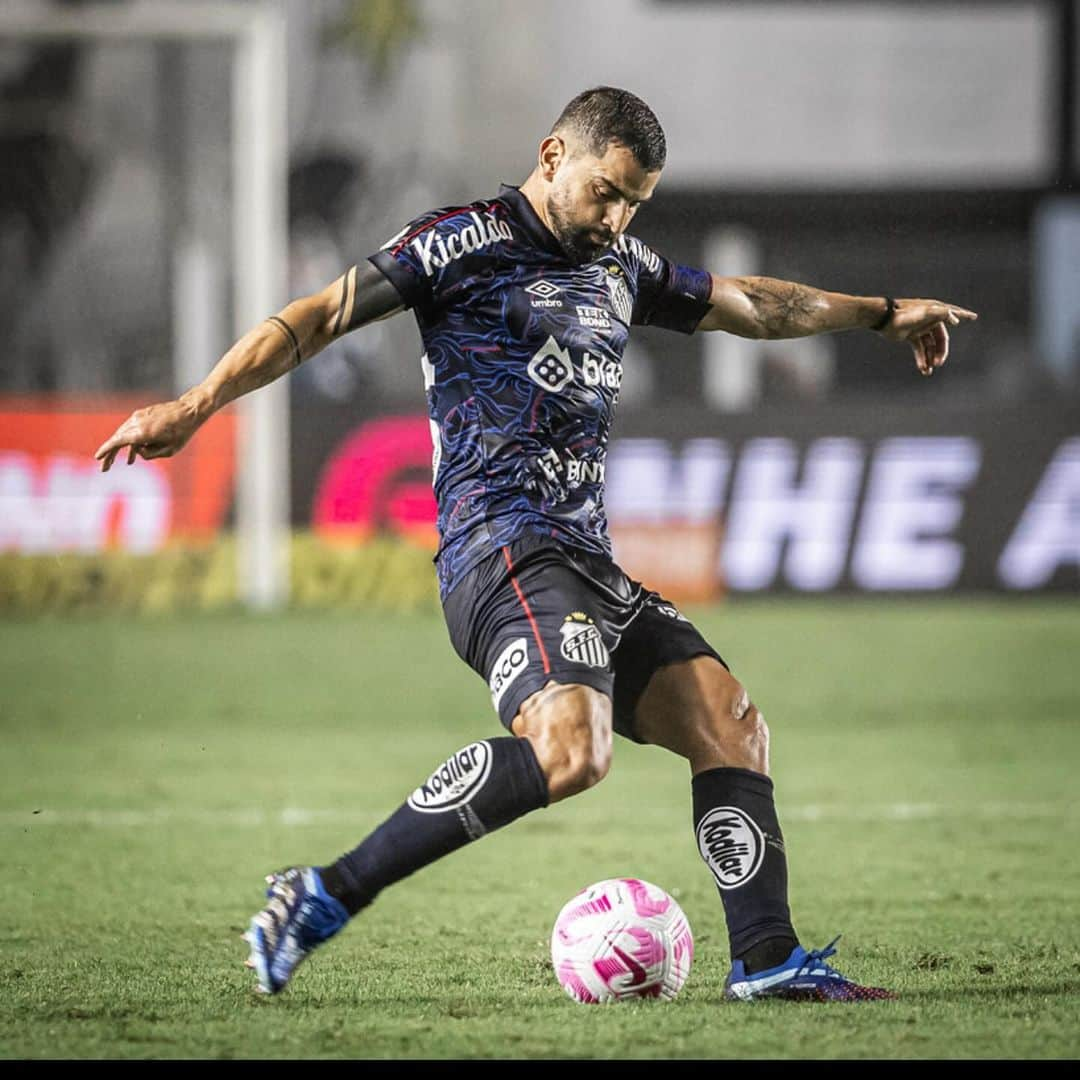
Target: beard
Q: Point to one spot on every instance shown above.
(581, 244)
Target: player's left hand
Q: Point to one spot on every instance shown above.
(157, 431)
(924, 324)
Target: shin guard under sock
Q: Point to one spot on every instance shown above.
(739, 838)
(479, 789)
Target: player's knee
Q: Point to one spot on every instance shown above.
(742, 727)
(728, 729)
(571, 732)
(744, 713)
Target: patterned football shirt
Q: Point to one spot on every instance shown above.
(522, 365)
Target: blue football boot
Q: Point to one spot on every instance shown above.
(803, 976)
(300, 915)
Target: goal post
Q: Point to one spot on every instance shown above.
(256, 34)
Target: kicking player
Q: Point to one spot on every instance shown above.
(524, 302)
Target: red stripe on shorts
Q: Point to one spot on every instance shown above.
(528, 611)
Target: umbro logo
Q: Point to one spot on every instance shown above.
(544, 289)
(543, 294)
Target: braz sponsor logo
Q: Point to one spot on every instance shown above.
(512, 661)
(582, 643)
(552, 367)
(596, 371)
(437, 250)
(454, 782)
(731, 844)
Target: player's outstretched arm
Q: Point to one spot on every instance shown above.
(296, 333)
(761, 307)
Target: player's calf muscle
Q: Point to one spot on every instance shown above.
(570, 728)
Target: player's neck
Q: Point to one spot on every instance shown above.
(533, 190)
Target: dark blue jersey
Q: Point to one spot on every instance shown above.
(522, 365)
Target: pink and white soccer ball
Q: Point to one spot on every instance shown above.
(621, 939)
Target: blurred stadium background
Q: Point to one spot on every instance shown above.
(151, 209)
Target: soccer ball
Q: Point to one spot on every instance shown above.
(621, 939)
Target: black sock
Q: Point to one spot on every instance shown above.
(740, 840)
(479, 789)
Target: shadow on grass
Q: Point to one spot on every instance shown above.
(929, 995)
(991, 993)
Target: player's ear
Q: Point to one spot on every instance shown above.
(552, 155)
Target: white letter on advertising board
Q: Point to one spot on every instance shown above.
(1048, 535)
(913, 501)
(770, 508)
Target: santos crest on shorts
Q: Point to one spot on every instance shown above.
(522, 367)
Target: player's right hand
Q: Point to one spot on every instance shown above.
(924, 324)
(156, 431)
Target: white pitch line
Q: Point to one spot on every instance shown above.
(294, 816)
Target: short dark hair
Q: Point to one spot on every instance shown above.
(606, 115)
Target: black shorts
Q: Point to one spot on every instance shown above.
(536, 611)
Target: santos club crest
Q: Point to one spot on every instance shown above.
(581, 641)
(621, 299)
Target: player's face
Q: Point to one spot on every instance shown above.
(591, 200)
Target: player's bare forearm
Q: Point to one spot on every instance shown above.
(265, 353)
(299, 331)
(761, 307)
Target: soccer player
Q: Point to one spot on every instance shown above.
(524, 302)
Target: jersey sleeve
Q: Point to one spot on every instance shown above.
(669, 295)
(401, 262)
(437, 252)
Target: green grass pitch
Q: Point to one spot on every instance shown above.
(925, 754)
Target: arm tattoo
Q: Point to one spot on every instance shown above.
(287, 330)
(373, 297)
(348, 299)
(781, 307)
